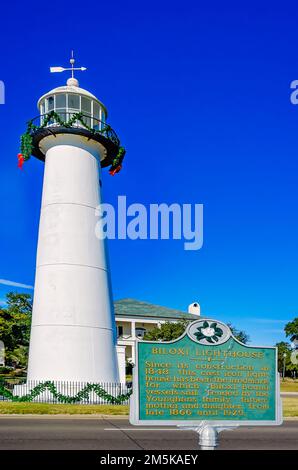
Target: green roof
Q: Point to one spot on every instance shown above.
(136, 308)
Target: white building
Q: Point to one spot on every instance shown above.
(134, 318)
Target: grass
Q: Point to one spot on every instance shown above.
(289, 385)
(290, 407)
(48, 408)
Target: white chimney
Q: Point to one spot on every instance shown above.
(195, 309)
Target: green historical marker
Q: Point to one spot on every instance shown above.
(205, 375)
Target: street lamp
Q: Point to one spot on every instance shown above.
(284, 367)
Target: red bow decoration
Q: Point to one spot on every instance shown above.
(114, 171)
(20, 160)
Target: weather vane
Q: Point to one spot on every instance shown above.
(72, 68)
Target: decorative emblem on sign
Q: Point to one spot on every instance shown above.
(209, 332)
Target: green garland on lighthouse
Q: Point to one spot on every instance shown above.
(26, 146)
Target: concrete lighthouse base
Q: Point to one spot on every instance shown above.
(72, 335)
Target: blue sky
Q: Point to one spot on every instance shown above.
(200, 96)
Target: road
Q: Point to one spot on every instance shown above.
(97, 433)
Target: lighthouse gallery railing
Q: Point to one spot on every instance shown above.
(74, 119)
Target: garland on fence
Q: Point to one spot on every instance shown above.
(27, 140)
(81, 395)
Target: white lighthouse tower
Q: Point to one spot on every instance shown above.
(73, 328)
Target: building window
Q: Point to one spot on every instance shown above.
(119, 331)
(140, 332)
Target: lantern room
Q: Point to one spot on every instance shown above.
(71, 99)
(68, 110)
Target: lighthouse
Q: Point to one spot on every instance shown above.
(73, 328)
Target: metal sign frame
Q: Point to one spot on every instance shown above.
(135, 398)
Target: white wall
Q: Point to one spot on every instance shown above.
(121, 363)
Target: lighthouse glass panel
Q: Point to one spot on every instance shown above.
(86, 105)
(96, 116)
(60, 101)
(68, 104)
(73, 107)
(86, 110)
(102, 118)
(50, 103)
(49, 106)
(60, 106)
(42, 111)
(74, 102)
